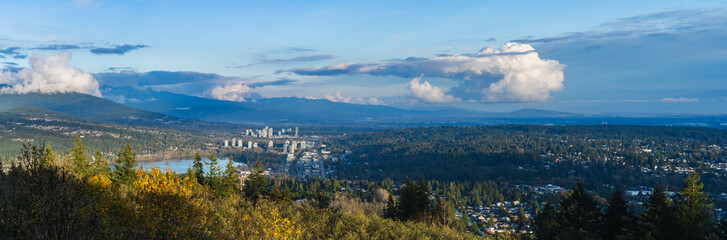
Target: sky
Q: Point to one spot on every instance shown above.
(496, 56)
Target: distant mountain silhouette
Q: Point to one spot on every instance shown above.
(81, 106)
(263, 110)
(152, 108)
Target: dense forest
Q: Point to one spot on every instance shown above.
(524, 154)
(688, 215)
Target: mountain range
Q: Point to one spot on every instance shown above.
(128, 105)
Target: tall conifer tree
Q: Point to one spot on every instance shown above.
(124, 166)
(618, 222)
(79, 159)
(256, 184)
(659, 220)
(197, 168)
(579, 215)
(695, 208)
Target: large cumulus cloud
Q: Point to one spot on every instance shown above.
(233, 92)
(428, 93)
(513, 73)
(51, 74)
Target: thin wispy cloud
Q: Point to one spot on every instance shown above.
(13, 52)
(644, 25)
(118, 49)
(299, 49)
(679, 99)
(11, 67)
(57, 47)
(279, 82)
(304, 58)
(153, 78)
(119, 69)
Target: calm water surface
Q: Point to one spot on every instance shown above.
(181, 166)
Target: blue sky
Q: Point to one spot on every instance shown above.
(578, 56)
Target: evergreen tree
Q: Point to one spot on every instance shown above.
(618, 222)
(124, 166)
(658, 221)
(414, 201)
(546, 223)
(100, 166)
(522, 220)
(49, 158)
(256, 184)
(336, 185)
(214, 178)
(232, 179)
(275, 193)
(422, 201)
(579, 215)
(464, 221)
(197, 168)
(391, 210)
(79, 159)
(190, 174)
(321, 201)
(214, 169)
(32, 156)
(695, 208)
(286, 193)
(443, 213)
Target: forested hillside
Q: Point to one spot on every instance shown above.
(35, 124)
(44, 195)
(528, 154)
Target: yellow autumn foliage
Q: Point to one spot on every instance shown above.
(266, 223)
(101, 181)
(155, 181)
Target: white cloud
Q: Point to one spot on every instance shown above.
(514, 72)
(365, 101)
(428, 93)
(679, 99)
(122, 99)
(233, 92)
(47, 75)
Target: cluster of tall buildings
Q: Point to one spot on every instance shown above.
(240, 143)
(268, 132)
(290, 147)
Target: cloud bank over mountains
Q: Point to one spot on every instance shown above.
(233, 92)
(354, 100)
(513, 73)
(52, 74)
